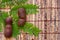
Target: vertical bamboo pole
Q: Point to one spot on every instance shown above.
(40, 23)
(58, 10)
(53, 18)
(56, 29)
(49, 4)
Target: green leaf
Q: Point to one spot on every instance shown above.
(31, 11)
(16, 31)
(20, 1)
(10, 3)
(26, 28)
(2, 5)
(15, 15)
(0, 27)
(1, 18)
(3, 1)
(1, 21)
(15, 8)
(30, 8)
(31, 29)
(35, 31)
(4, 15)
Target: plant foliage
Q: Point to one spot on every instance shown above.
(30, 8)
(16, 31)
(30, 28)
(15, 5)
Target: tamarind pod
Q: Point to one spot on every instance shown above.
(8, 31)
(8, 20)
(22, 13)
(21, 22)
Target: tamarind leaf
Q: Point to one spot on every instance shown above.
(30, 8)
(20, 1)
(26, 28)
(2, 5)
(35, 31)
(15, 15)
(3, 1)
(31, 11)
(1, 19)
(16, 31)
(15, 8)
(4, 15)
(10, 3)
(0, 27)
(26, 6)
(31, 29)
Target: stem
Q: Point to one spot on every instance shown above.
(8, 39)
(23, 35)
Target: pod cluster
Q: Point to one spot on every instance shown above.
(8, 27)
(22, 16)
(22, 19)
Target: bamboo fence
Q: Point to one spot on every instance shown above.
(47, 19)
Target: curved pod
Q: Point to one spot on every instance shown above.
(8, 20)
(21, 22)
(8, 31)
(22, 13)
(22, 16)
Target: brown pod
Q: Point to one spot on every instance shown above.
(8, 20)
(22, 13)
(8, 31)
(21, 22)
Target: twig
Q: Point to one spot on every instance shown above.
(8, 38)
(23, 35)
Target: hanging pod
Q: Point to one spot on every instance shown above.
(8, 31)
(22, 13)
(8, 20)
(8, 27)
(21, 22)
(22, 16)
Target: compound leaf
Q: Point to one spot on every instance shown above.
(31, 29)
(16, 31)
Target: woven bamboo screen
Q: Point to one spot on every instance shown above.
(47, 19)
